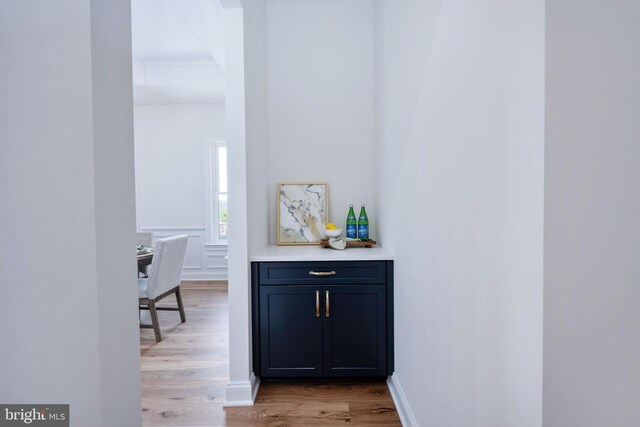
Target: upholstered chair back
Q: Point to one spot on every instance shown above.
(166, 268)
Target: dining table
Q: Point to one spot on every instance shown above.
(144, 259)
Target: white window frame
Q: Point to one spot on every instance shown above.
(212, 189)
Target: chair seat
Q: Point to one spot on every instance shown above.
(142, 287)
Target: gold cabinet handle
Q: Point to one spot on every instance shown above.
(317, 303)
(326, 304)
(322, 273)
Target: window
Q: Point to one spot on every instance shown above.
(219, 210)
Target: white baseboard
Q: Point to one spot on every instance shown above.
(242, 393)
(205, 275)
(400, 400)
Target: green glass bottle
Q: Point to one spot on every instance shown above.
(352, 224)
(363, 224)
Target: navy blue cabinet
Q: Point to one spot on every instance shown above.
(290, 331)
(354, 332)
(322, 319)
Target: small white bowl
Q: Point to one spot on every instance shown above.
(334, 233)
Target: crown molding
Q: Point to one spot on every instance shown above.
(179, 68)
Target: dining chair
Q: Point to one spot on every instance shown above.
(163, 280)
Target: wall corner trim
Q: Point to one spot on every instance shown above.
(242, 393)
(400, 400)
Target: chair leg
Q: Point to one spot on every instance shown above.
(183, 316)
(154, 320)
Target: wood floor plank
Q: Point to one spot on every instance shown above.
(153, 376)
(187, 391)
(374, 413)
(278, 392)
(287, 414)
(178, 414)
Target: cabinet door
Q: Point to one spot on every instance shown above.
(290, 331)
(354, 331)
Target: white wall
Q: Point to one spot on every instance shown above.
(257, 131)
(321, 101)
(173, 181)
(68, 308)
(460, 160)
(592, 206)
(245, 34)
(257, 123)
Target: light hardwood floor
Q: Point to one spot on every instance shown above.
(184, 376)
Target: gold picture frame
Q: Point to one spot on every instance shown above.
(307, 211)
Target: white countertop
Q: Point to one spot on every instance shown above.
(318, 253)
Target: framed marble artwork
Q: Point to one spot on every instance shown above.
(303, 209)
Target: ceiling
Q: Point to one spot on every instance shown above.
(178, 51)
